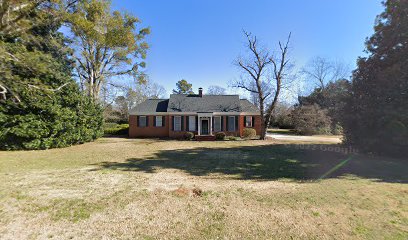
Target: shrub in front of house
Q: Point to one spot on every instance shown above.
(310, 120)
(220, 136)
(188, 136)
(233, 138)
(249, 133)
(116, 129)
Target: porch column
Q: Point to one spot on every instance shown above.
(199, 126)
(210, 120)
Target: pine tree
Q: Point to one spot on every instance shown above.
(183, 87)
(376, 115)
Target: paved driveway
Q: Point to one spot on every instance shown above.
(316, 138)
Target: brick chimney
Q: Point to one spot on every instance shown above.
(200, 92)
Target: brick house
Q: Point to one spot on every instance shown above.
(204, 115)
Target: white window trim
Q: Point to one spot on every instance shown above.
(192, 124)
(250, 121)
(174, 123)
(233, 124)
(140, 121)
(215, 119)
(161, 121)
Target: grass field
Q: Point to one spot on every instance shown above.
(148, 189)
(282, 131)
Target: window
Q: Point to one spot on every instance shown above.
(142, 121)
(248, 121)
(231, 124)
(192, 123)
(159, 121)
(177, 123)
(217, 124)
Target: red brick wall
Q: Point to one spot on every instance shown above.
(236, 133)
(180, 134)
(257, 125)
(150, 130)
(241, 120)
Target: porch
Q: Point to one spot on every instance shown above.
(205, 137)
(204, 125)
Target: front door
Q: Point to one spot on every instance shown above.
(204, 127)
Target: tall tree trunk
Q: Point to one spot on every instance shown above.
(264, 130)
(262, 111)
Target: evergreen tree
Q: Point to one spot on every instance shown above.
(43, 106)
(332, 97)
(183, 87)
(376, 115)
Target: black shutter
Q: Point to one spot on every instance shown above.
(172, 123)
(245, 121)
(222, 123)
(137, 121)
(196, 123)
(253, 121)
(226, 121)
(236, 123)
(182, 123)
(147, 121)
(187, 123)
(212, 124)
(163, 121)
(154, 121)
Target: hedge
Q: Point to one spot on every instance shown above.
(116, 129)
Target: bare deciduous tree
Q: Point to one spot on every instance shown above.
(216, 90)
(264, 74)
(153, 90)
(323, 71)
(138, 94)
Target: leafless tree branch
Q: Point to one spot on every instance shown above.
(255, 67)
(3, 92)
(48, 89)
(322, 71)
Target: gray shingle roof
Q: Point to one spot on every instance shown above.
(247, 106)
(195, 103)
(206, 103)
(152, 105)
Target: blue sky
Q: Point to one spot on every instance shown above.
(198, 40)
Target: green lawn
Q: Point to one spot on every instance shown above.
(148, 189)
(282, 131)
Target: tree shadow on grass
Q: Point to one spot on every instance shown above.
(269, 162)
